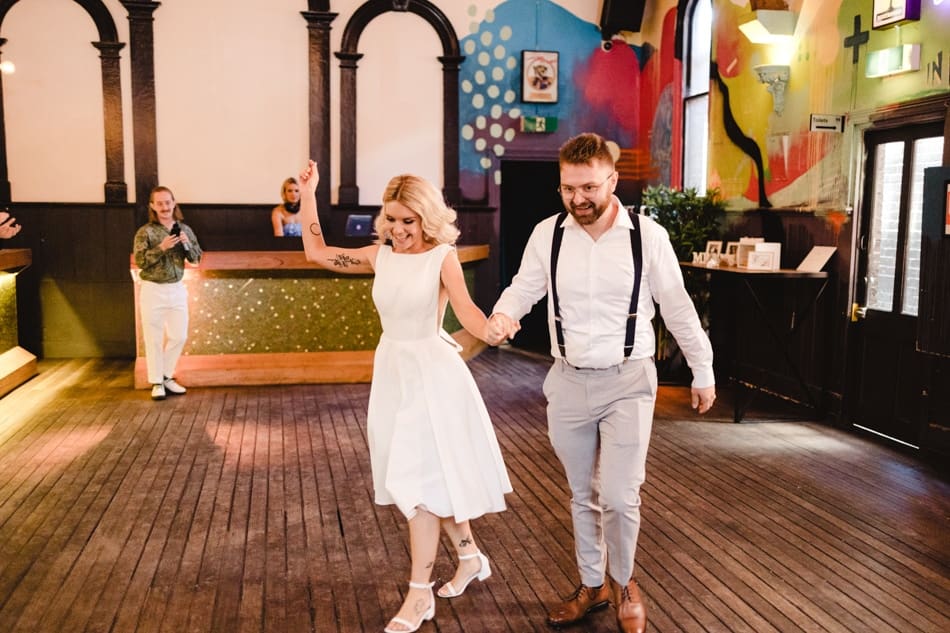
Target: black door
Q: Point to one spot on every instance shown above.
(886, 372)
(528, 195)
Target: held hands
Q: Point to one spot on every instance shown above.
(703, 398)
(499, 328)
(310, 177)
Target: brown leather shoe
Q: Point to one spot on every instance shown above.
(576, 606)
(631, 611)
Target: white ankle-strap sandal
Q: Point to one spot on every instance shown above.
(448, 590)
(410, 626)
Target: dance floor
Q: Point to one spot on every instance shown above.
(250, 509)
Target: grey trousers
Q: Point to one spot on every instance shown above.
(599, 423)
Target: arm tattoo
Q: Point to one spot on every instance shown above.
(467, 540)
(343, 261)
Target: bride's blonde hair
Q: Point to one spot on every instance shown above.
(422, 198)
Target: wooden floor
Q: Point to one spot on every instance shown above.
(250, 509)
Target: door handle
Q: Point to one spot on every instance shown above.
(858, 312)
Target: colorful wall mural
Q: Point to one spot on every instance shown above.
(762, 153)
(616, 92)
(827, 60)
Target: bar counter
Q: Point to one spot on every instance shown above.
(272, 317)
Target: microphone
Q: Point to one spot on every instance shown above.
(176, 231)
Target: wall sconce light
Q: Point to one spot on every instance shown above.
(769, 26)
(775, 77)
(893, 61)
(7, 67)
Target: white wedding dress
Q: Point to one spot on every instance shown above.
(431, 441)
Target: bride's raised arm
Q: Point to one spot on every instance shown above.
(344, 260)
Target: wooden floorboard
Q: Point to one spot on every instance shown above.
(250, 509)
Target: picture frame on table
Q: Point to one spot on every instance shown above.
(539, 76)
(732, 248)
(714, 247)
(760, 260)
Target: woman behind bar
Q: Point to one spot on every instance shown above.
(284, 217)
(432, 447)
(161, 248)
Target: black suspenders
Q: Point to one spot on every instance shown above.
(636, 250)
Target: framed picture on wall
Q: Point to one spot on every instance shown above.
(539, 76)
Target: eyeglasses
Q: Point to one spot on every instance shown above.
(567, 191)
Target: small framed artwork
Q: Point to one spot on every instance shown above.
(714, 247)
(760, 260)
(539, 76)
(732, 248)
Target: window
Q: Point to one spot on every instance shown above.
(927, 152)
(698, 33)
(895, 226)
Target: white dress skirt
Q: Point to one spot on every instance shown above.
(432, 445)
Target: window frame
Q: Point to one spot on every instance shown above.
(691, 95)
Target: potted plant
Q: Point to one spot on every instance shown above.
(691, 220)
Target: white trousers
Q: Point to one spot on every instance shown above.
(164, 314)
(599, 423)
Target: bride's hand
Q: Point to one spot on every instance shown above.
(310, 177)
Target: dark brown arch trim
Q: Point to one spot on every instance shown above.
(319, 19)
(115, 189)
(349, 57)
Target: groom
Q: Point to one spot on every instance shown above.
(602, 386)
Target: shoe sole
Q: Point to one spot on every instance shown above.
(591, 609)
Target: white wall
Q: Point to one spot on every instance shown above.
(231, 80)
(53, 104)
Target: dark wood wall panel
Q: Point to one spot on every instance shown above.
(76, 297)
(479, 226)
(933, 324)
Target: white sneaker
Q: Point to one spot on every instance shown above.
(173, 387)
(158, 392)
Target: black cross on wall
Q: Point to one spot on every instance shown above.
(857, 38)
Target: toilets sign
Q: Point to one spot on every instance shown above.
(827, 123)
